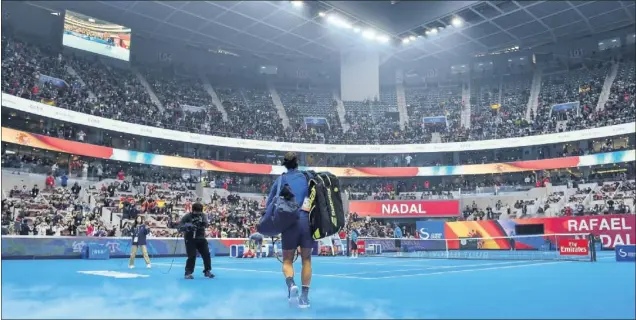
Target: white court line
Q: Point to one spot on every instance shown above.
(470, 270)
(397, 263)
(264, 271)
(437, 267)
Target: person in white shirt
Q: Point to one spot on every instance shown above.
(85, 171)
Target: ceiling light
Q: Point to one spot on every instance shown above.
(600, 43)
(322, 14)
(382, 39)
(356, 30)
(457, 22)
(433, 31)
(369, 34)
(55, 13)
(339, 22)
(91, 20)
(297, 4)
(412, 38)
(406, 40)
(613, 40)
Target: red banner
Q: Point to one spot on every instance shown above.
(612, 229)
(574, 247)
(405, 209)
(616, 229)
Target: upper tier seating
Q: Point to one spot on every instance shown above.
(252, 113)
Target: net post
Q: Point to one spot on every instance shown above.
(446, 246)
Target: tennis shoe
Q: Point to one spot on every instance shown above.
(293, 295)
(303, 302)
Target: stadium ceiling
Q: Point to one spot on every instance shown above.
(275, 29)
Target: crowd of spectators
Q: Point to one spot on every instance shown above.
(184, 104)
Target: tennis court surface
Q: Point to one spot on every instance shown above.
(375, 287)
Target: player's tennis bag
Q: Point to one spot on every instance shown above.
(279, 215)
(327, 214)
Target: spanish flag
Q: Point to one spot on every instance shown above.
(583, 89)
(495, 106)
(50, 102)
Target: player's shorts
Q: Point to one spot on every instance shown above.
(354, 245)
(398, 243)
(298, 235)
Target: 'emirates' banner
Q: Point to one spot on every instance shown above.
(405, 209)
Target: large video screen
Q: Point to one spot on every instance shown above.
(97, 36)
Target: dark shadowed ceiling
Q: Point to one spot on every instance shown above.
(274, 29)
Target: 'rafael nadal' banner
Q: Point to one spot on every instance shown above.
(612, 230)
(405, 209)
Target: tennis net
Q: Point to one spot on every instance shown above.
(567, 247)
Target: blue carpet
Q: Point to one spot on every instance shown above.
(341, 288)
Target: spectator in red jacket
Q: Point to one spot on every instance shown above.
(49, 182)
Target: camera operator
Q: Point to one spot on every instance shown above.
(193, 225)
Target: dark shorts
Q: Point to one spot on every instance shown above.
(398, 243)
(298, 235)
(354, 245)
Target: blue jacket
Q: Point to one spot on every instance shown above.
(397, 233)
(297, 183)
(139, 234)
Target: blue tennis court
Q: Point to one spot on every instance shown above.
(342, 288)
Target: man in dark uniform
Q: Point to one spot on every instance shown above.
(298, 235)
(194, 224)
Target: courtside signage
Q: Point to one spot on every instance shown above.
(625, 253)
(44, 110)
(574, 247)
(405, 209)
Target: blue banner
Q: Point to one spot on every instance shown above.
(626, 253)
(316, 122)
(74, 247)
(97, 252)
(565, 106)
(430, 229)
(434, 120)
(55, 81)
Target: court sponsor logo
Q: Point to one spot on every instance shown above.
(626, 253)
(574, 247)
(427, 235)
(114, 274)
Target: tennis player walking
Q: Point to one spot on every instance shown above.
(298, 235)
